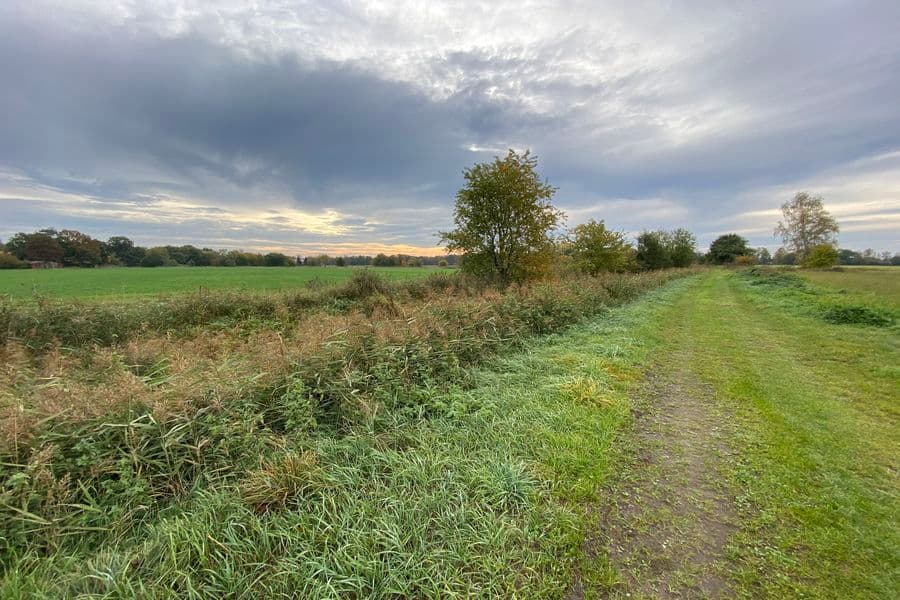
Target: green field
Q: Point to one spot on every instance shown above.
(122, 283)
(877, 283)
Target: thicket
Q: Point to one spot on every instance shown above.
(70, 481)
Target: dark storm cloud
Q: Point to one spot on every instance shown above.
(83, 102)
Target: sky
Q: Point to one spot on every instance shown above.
(345, 126)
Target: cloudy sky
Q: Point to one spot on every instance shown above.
(344, 126)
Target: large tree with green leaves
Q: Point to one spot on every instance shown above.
(505, 220)
(39, 246)
(652, 250)
(726, 248)
(806, 224)
(682, 247)
(596, 249)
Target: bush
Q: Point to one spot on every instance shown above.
(744, 260)
(8, 261)
(822, 256)
(362, 284)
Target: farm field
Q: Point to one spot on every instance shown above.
(125, 283)
(680, 434)
(878, 283)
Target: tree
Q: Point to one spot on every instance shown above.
(504, 220)
(156, 257)
(276, 259)
(849, 257)
(783, 257)
(39, 246)
(122, 250)
(806, 224)
(763, 256)
(652, 251)
(682, 248)
(822, 256)
(443, 263)
(9, 261)
(383, 260)
(726, 248)
(80, 249)
(340, 262)
(596, 249)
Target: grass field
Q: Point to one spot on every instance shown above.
(723, 435)
(121, 283)
(878, 283)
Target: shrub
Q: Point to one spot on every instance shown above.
(822, 256)
(9, 261)
(727, 248)
(744, 260)
(596, 249)
(363, 283)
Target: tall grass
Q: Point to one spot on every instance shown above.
(251, 445)
(41, 323)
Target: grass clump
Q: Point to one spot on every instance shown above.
(858, 315)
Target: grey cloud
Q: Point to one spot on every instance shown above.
(779, 94)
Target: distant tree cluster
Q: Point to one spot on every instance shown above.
(379, 260)
(845, 257)
(72, 248)
(808, 232)
(666, 249)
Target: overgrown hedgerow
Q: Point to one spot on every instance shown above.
(67, 479)
(43, 322)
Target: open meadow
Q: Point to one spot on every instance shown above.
(879, 284)
(130, 283)
(443, 438)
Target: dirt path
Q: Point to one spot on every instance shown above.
(667, 520)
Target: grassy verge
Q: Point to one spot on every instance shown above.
(478, 495)
(817, 427)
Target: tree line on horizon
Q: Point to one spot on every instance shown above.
(507, 229)
(71, 248)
